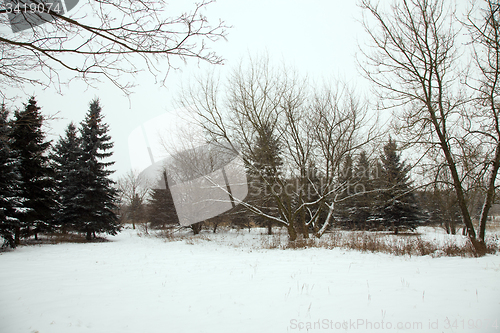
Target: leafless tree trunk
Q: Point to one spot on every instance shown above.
(414, 60)
(485, 33)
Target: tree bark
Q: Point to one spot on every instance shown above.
(457, 184)
(17, 236)
(291, 232)
(490, 194)
(196, 227)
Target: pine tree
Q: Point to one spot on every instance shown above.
(66, 162)
(10, 184)
(37, 177)
(98, 197)
(396, 207)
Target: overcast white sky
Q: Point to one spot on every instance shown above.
(318, 38)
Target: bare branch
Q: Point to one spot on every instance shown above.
(108, 39)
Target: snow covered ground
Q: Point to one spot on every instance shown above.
(144, 284)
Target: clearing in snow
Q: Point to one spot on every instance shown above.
(228, 283)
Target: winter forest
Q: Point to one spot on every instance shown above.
(361, 211)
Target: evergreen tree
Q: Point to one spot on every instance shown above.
(363, 201)
(10, 184)
(37, 177)
(267, 154)
(345, 198)
(395, 206)
(264, 168)
(66, 162)
(98, 197)
(136, 209)
(161, 210)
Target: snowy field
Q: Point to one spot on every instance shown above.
(226, 284)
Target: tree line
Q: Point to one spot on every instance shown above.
(298, 158)
(374, 194)
(48, 187)
(435, 66)
(441, 84)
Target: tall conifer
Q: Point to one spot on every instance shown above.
(264, 169)
(10, 184)
(364, 186)
(395, 206)
(66, 160)
(98, 198)
(28, 140)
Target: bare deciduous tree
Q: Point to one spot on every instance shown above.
(485, 38)
(340, 126)
(314, 133)
(415, 60)
(132, 191)
(106, 39)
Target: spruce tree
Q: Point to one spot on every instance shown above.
(264, 168)
(161, 209)
(10, 184)
(66, 162)
(37, 176)
(363, 201)
(345, 198)
(395, 207)
(98, 196)
(136, 209)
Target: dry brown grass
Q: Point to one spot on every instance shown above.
(409, 244)
(399, 245)
(175, 235)
(58, 238)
